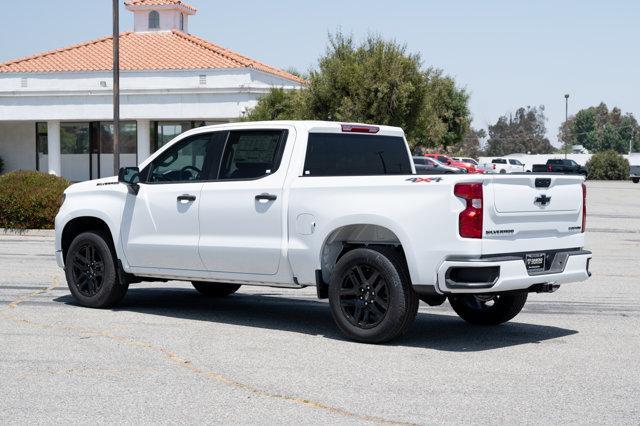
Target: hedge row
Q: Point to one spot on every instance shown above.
(30, 200)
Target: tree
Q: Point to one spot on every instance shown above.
(522, 132)
(377, 81)
(608, 165)
(280, 104)
(598, 129)
(470, 146)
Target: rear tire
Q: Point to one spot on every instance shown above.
(635, 180)
(503, 171)
(488, 309)
(371, 297)
(91, 272)
(215, 289)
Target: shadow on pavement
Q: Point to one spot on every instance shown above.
(313, 317)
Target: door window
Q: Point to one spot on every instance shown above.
(194, 159)
(252, 154)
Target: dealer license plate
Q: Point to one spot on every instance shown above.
(535, 262)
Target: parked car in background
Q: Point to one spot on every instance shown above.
(466, 160)
(428, 165)
(507, 165)
(446, 160)
(471, 163)
(559, 165)
(634, 174)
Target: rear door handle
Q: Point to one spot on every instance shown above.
(266, 197)
(186, 197)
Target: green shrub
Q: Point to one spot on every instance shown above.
(608, 165)
(30, 200)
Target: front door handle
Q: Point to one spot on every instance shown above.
(186, 197)
(266, 197)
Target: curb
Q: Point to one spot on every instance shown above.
(28, 232)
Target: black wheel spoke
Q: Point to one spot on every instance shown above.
(88, 269)
(364, 296)
(353, 291)
(383, 304)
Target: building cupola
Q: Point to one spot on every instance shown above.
(160, 15)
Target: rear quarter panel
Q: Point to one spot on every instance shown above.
(422, 213)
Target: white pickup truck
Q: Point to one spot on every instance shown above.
(337, 206)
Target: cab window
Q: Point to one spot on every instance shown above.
(252, 154)
(194, 159)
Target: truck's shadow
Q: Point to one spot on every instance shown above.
(310, 316)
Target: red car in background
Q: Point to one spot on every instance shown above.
(445, 159)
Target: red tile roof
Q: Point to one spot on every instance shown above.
(163, 50)
(160, 3)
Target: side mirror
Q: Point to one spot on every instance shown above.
(130, 176)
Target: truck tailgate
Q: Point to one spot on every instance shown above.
(524, 213)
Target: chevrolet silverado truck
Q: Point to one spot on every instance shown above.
(336, 206)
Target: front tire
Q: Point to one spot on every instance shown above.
(91, 271)
(635, 180)
(215, 289)
(488, 309)
(371, 297)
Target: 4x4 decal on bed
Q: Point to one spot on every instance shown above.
(421, 179)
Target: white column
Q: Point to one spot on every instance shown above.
(144, 140)
(53, 147)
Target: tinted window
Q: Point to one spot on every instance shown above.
(499, 161)
(196, 158)
(515, 162)
(554, 161)
(337, 154)
(252, 154)
(419, 160)
(443, 159)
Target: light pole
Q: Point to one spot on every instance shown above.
(116, 86)
(566, 119)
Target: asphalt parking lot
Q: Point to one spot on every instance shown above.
(166, 355)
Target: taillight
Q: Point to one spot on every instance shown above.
(470, 219)
(549, 168)
(494, 167)
(351, 128)
(584, 207)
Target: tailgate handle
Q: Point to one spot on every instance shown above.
(543, 182)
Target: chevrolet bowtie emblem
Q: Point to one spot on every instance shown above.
(543, 200)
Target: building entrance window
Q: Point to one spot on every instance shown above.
(74, 150)
(42, 147)
(128, 148)
(165, 131)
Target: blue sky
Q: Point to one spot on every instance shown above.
(505, 53)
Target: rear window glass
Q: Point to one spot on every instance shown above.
(499, 161)
(337, 154)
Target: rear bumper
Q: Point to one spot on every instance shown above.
(509, 273)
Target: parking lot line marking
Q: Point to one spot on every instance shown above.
(185, 363)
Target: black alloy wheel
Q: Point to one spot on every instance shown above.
(364, 296)
(371, 296)
(88, 269)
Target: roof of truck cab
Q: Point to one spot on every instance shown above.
(312, 126)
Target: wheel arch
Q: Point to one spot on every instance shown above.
(78, 225)
(347, 236)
